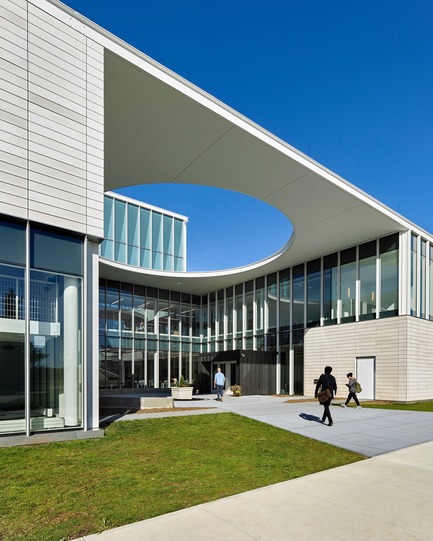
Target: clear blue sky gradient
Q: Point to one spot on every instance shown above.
(350, 84)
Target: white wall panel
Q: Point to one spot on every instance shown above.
(18, 7)
(51, 118)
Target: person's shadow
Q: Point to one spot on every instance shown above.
(309, 417)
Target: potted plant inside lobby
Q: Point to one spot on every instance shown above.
(182, 390)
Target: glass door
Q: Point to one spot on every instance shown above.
(228, 368)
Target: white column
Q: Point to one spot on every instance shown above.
(71, 350)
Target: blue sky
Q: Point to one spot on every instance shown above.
(348, 83)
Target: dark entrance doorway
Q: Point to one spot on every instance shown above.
(254, 371)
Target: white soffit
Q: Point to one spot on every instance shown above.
(160, 128)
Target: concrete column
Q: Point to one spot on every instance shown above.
(71, 350)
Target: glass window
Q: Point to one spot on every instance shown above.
(174, 363)
(272, 301)
(431, 281)
(178, 264)
(239, 300)
(112, 308)
(285, 362)
(168, 262)
(133, 225)
(163, 311)
(156, 232)
(298, 296)
(330, 289)
(151, 310)
(174, 313)
(53, 251)
(102, 363)
(126, 309)
(205, 317)
(260, 304)
(133, 236)
(212, 314)
(348, 285)
(125, 363)
(178, 238)
(12, 340)
(112, 362)
(298, 358)
(55, 351)
(423, 282)
(285, 299)
(229, 301)
(139, 310)
(156, 260)
(139, 364)
(195, 316)
(120, 221)
(150, 363)
(388, 248)
(102, 306)
(367, 278)
(145, 259)
(133, 256)
(185, 370)
(313, 293)
(12, 242)
(145, 239)
(185, 316)
(413, 275)
(249, 310)
(108, 218)
(168, 235)
(221, 314)
(163, 364)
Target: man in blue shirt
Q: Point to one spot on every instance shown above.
(218, 382)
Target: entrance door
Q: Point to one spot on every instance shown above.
(228, 368)
(366, 375)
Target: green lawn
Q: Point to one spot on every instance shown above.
(416, 406)
(142, 469)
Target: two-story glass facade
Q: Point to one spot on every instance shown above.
(149, 336)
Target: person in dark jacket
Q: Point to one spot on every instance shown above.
(327, 381)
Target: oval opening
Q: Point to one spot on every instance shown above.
(225, 229)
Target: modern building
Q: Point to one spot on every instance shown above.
(94, 292)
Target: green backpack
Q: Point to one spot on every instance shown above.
(358, 387)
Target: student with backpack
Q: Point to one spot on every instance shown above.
(354, 387)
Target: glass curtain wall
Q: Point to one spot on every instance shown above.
(262, 315)
(56, 374)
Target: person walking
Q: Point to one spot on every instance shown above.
(327, 381)
(218, 382)
(352, 391)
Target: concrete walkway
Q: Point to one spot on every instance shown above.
(388, 497)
